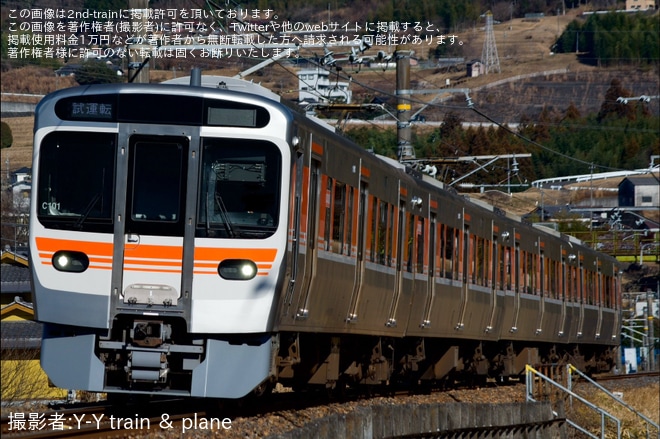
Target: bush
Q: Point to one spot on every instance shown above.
(7, 137)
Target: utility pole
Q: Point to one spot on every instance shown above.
(405, 150)
(138, 47)
(650, 333)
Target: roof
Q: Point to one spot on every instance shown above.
(15, 279)
(552, 211)
(23, 170)
(642, 180)
(14, 257)
(21, 334)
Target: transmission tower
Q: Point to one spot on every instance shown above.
(489, 57)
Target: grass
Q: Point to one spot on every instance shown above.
(644, 399)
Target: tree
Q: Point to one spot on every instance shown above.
(94, 72)
(611, 107)
(6, 135)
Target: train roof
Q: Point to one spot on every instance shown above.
(229, 83)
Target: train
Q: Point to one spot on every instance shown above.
(204, 238)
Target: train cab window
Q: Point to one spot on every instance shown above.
(76, 181)
(239, 189)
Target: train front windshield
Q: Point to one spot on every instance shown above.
(77, 181)
(239, 185)
(239, 191)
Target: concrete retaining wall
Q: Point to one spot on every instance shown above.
(390, 421)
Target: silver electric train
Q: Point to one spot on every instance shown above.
(208, 240)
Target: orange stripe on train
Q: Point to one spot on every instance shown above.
(153, 254)
(218, 254)
(89, 248)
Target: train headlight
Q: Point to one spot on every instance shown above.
(71, 261)
(237, 269)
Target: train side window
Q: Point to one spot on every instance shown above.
(601, 287)
(76, 181)
(478, 277)
(432, 246)
(459, 252)
(501, 265)
(448, 243)
(382, 233)
(390, 234)
(328, 213)
(516, 265)
(349, 221)
(570, 292)
(591, 288)
(507, 271)
(530, 274)
(474, 263)
(373, 236)
(409, 248)
(523, 271)
(580, 283)
(421, 238)
(565, 281)
(543, 277)
(338, 217)
(554, 279)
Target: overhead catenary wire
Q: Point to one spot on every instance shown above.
(341, 74)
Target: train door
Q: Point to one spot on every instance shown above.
(310, 250)
(599, 298)
(542, 291)
(398, 283)
(153, 229)
(359, 266)
(563, 295)
(516, 301)
(430, 289)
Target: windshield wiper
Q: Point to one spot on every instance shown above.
(225, 216)
(95, 199)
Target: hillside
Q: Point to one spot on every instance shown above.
(523, 48)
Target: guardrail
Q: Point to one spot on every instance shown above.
(537, 385)
(531, 374)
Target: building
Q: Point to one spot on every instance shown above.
(641, 5)
(314, 85)
(21, 175)
(475, 68)
(22, 376)
(640, 191)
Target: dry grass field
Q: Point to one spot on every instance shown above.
(643, 399)
(20, 153)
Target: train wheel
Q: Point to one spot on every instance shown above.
(263, 389)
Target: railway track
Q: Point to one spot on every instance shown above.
(273, 415)
(135, 419)
(278, 413)
(610, 377)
